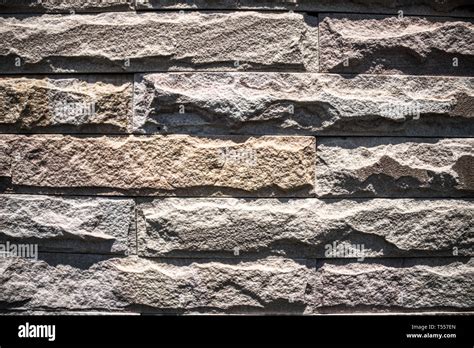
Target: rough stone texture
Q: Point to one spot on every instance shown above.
(87, 225)
(259, 207)
(91, 104)
(97, 284)
(5, 159)
(159, 42)
(282, 103)
(59, 282)
(270, 285)
(205, 227)
(395, 167)
(412, 45)
(393, 285)
(452, 7)
(64, 6)
(87, 283)
(242, 166)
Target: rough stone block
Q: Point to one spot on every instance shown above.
(282, 103)
(90, 104)
(309, 228)
(130, 42)
(86, 225)
(390, 45)
(395, 167)
(168, 165)
(393, 285)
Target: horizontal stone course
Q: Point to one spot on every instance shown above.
(238, 103)
(90, 103)
(269, 285)
(131, 42)
(390, 45)
(305, 228)
(168, 165)
(395, 167)
(285, 103)
(56, 224)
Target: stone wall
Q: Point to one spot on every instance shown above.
(245, 156)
